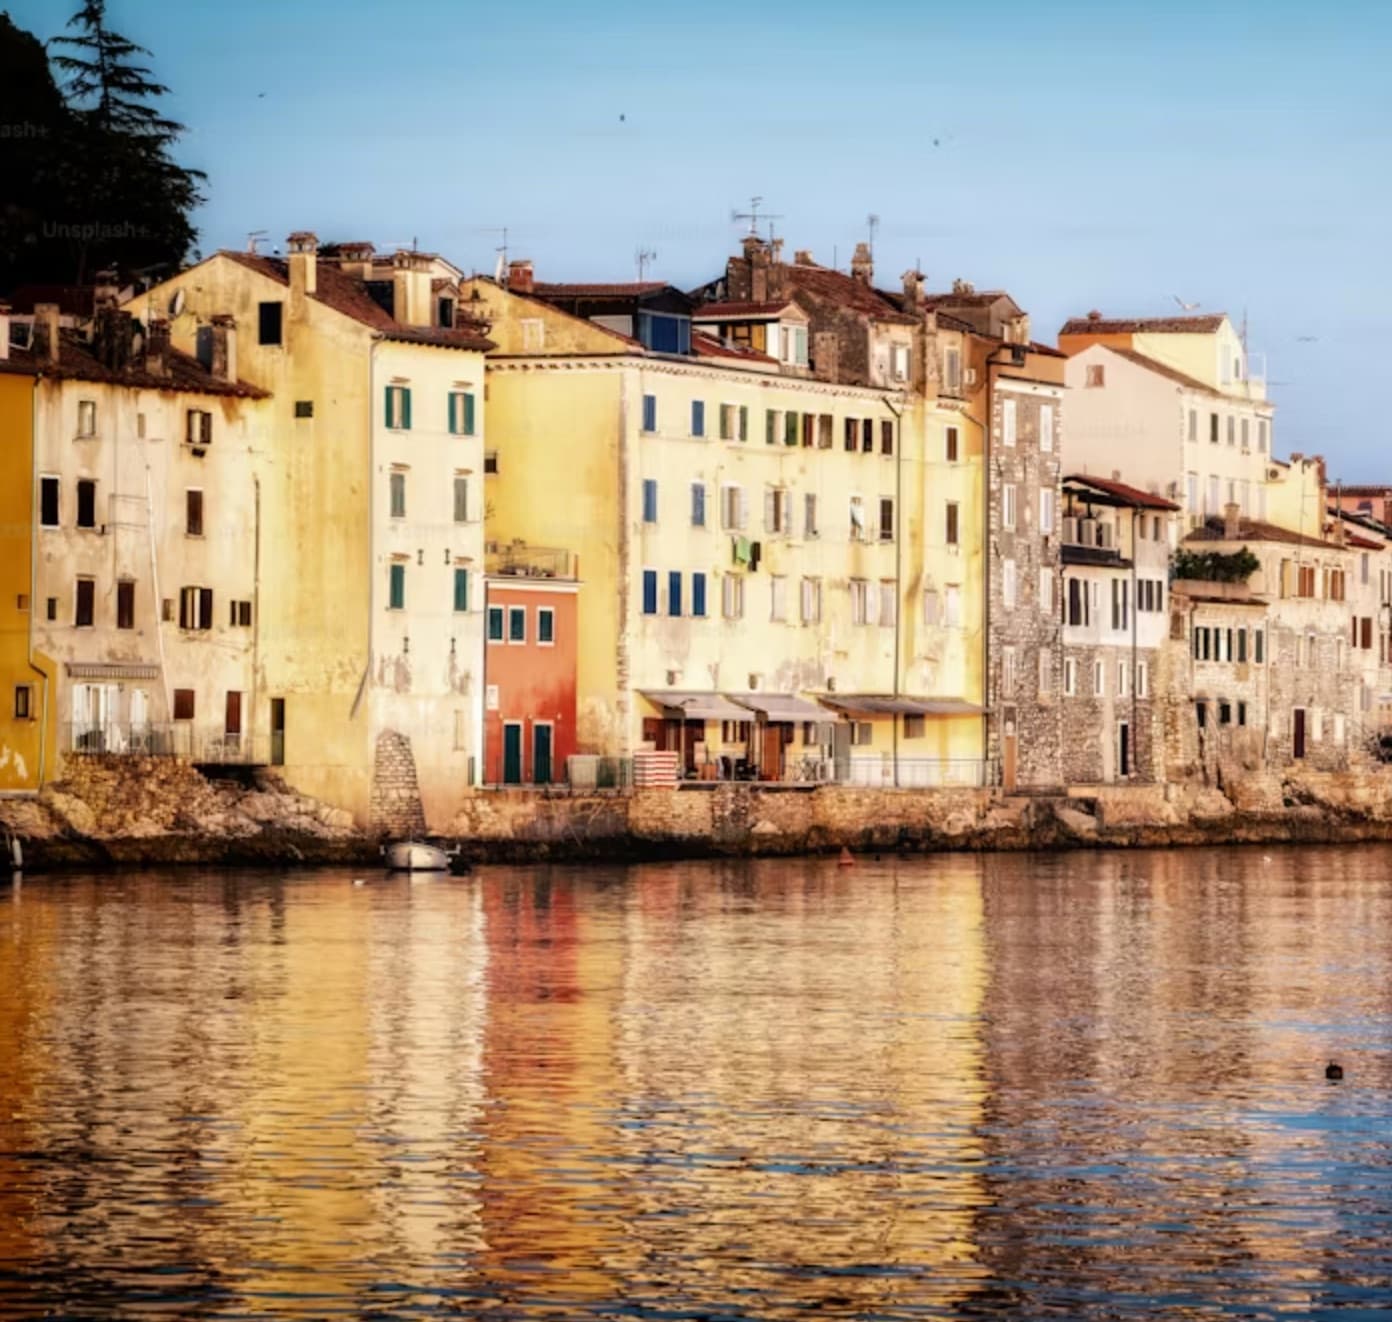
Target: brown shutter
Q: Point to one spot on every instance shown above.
(205, 608)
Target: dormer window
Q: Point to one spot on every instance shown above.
(899, 362)
(795, 345)
(444, 313)
(663, 333)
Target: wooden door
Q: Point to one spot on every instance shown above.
(1299, 732)
(771, 752)
(541, 754)
(1124, 749)
(277, 732)
(512, 753)
(232, 724)
(1010, 751)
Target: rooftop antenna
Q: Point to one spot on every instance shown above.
(641, 258)
(754, 216)
(253, 238)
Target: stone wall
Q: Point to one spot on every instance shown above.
(395, 810)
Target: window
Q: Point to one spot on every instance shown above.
(517, 624)
(1046, 511)
(546, 626)
(1008, 505)
(698, 595)
(950, 445)
(268, 328)
(1213, 429)
(1193, 431)
(533, 334)
(1046, 590)
(887, 435)
(1123, 679)
(777, 511)
(1261, 435)
(826, 426)
(461, 413)
(1246, 435)
(1192, 491)
(1142, 679)
(1008, 422)
(1008, 584)
(304, 408)
(1046, 672)
(86, 503)
(398, 408)
(857, 519)
(811, 600)
(396, 587)
(398, 495)
(23, 702)
(495, 624)
(1077, 608)
(183, 698)
(461, 499)
(867, 436)
(952, 606)
(1009, 678)
(444, 313)
(732, 596)
(952, 370)
(899, 363)
(195, 608)
(1096, 376)
(735, 732)
(778, 597)
(649, 500)
(733, 512)
(1121, 594)
(649, 413)
(886, 518)
(649, 592)
(809, 430)
(125, 604)
(86, 418)
(1232, 430)
(240, 615)
(860, 601)
(674, 592)
(852, 435)
(1070, 677)
(889, 602)
(950, 528)
(698, 504)
(193, 512)
(1099, 679)
(914, 726)
(698, 417)
(85, 598)
(48, 502)
(1046, 427)
(490, 461)
(1214, 499)
(809, 515)
(461, 590)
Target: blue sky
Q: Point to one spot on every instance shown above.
(1088, 154)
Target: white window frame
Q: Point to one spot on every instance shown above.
(1009, 423)
(1046, 428)
(1009, 510)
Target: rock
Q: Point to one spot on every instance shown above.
(72, 811)
(1075, 822)
(764, 827)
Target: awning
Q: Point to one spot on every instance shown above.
(780, 707)
(696, 706)
(876, 704)
(112, 670)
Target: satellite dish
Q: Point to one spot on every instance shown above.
(176, 302)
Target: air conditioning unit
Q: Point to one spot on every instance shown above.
(1070, 529)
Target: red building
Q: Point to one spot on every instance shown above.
(529, 666)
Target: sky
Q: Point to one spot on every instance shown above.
(1080, 154)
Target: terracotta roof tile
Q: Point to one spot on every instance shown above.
(1147, 325)
(186, 374)
(846, 291)
(707, 346)
(983, 299)
(715, 311)
(1254, 530)
(630, 289)
(445, 337)
(1123, 491)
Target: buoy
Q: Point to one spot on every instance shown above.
(847, 859)
(358, 881)
(1333, 1071)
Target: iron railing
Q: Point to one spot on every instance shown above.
(164, 739)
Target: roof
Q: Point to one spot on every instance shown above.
(348, 296)
(696, 706)
(1353, 489)
(1363, 543)
(444, 337)
(1255, 530)
(72, 300)
(186, 374)
(629, 289)
(1123, 491)
(847, 291)
(707, 346)
(779, 707)
(975, 299)
(877, 704)
(1175, 375)
(1143, 325)
(718, 311)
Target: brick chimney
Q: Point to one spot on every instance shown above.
(803, 257)
(411, 288)
(303, 260)
(157, 348)
(4, 330)
(520, 277)
(913, 288)
(826, 356)
(862, 264)
(1232, 522)
(45, 342)
(105, 290)
(356, 259)
(224, 361)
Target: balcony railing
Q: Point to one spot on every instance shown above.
(164, 739)
(529, 561)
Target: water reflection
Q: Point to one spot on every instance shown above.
(1088, 1085)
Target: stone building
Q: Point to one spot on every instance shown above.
(1115, 547)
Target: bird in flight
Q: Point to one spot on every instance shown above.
(1188, 307)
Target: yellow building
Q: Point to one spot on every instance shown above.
(369, 626)
(738, 524)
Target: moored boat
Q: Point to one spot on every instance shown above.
(415, 856)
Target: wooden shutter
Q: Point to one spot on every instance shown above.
(205, 608)
(454, 412)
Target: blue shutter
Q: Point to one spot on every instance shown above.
(649, 592)
(698, 504)
(698, 594)
(461, 589)
(649, 500)
(453, 413)
(649, 412)
(674, 593)
(397, 598)
(698, 417)
(469, 414)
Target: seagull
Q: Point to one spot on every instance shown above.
(1188, 307)
(1307, 339)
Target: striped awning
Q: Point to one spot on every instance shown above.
(112, 670)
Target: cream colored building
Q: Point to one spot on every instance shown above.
(368, 476)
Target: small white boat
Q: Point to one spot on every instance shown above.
(413, 856)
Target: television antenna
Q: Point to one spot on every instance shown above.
(754, 216)
(253, 238)
(641, 259)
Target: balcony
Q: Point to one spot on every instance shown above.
(518, 560)
(207, 746)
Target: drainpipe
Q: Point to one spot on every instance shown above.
(256, 613)
(34, 575)
(371, 568)
(1135, 624)
(898, 573)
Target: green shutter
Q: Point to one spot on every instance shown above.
(768, 427)
(469, 414)
(744, 422)
(397, 599)
(388, 414)
(453, 413)
(406, 408)
(461, 589)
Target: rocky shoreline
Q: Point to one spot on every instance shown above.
(132, 812)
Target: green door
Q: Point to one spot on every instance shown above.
(541, 754)
(512, 753)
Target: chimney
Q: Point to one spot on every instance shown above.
(105, 291)
(411, 288)
(803, 257)
(862, 264)
(356, 259)
(913, 288)
(45, 344)
(113, 334)
(826, 356)
(1094, 315)
(224, 362)
(303, 248)
(519, 276)
(157, 348)
(758, 253)
(4, 331)
(1232, 522)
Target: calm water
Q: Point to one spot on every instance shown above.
(1080, 1086)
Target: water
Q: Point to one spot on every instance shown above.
(1078, 1086)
